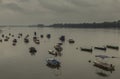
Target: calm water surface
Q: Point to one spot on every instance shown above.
(17, 63)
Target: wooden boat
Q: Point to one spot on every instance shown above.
(113, 47)
(86, 49)
(100, 48)
(35, 39)
(52, 52)
(104, 66)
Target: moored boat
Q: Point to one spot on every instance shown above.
(86, 49)
(52, 52)
(100, 48)
(58, 48)
(113, 47)
(62, 38)
(71, 41)
(53, 62)
(104, 66)
(26, 40)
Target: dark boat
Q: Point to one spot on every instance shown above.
(86, 49)
(62, 38)
(48, 36)
(34, 38)
(60, 43)
(26, 40)
(41, 36)
(71, 41)
(32, 50)
(3, 35)
(100, 48)
(0, 40)
(15, 40)
(113, 47)
(35, 33)
(51, 62)
(12, 35)
(104, 66)
(9, 34)
(5, 39)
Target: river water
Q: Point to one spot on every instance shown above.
(17, 63)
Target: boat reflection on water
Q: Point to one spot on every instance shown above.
(103, 74)
(32, 53)
(54, 67)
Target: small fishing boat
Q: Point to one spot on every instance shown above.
(60, 43)
(62, 38)
(48, 36)
(14, 44)
(113, 47)
(35, 33)
(5, 39)
(52, 52)
(71, 41)
(53, 62)
(35, 39)
(32, 50)
(100, 48)
(3, 35)
(41, 36)
(104, 66)
(58, 48)
(0, 40)
(15, 40)
(26, 40)
(86, 49)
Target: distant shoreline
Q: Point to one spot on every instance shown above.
(114, 25)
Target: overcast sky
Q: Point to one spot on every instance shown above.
(58, 11)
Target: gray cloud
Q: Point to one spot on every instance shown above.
(53, 11)
(13, 6)
(57, 6)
